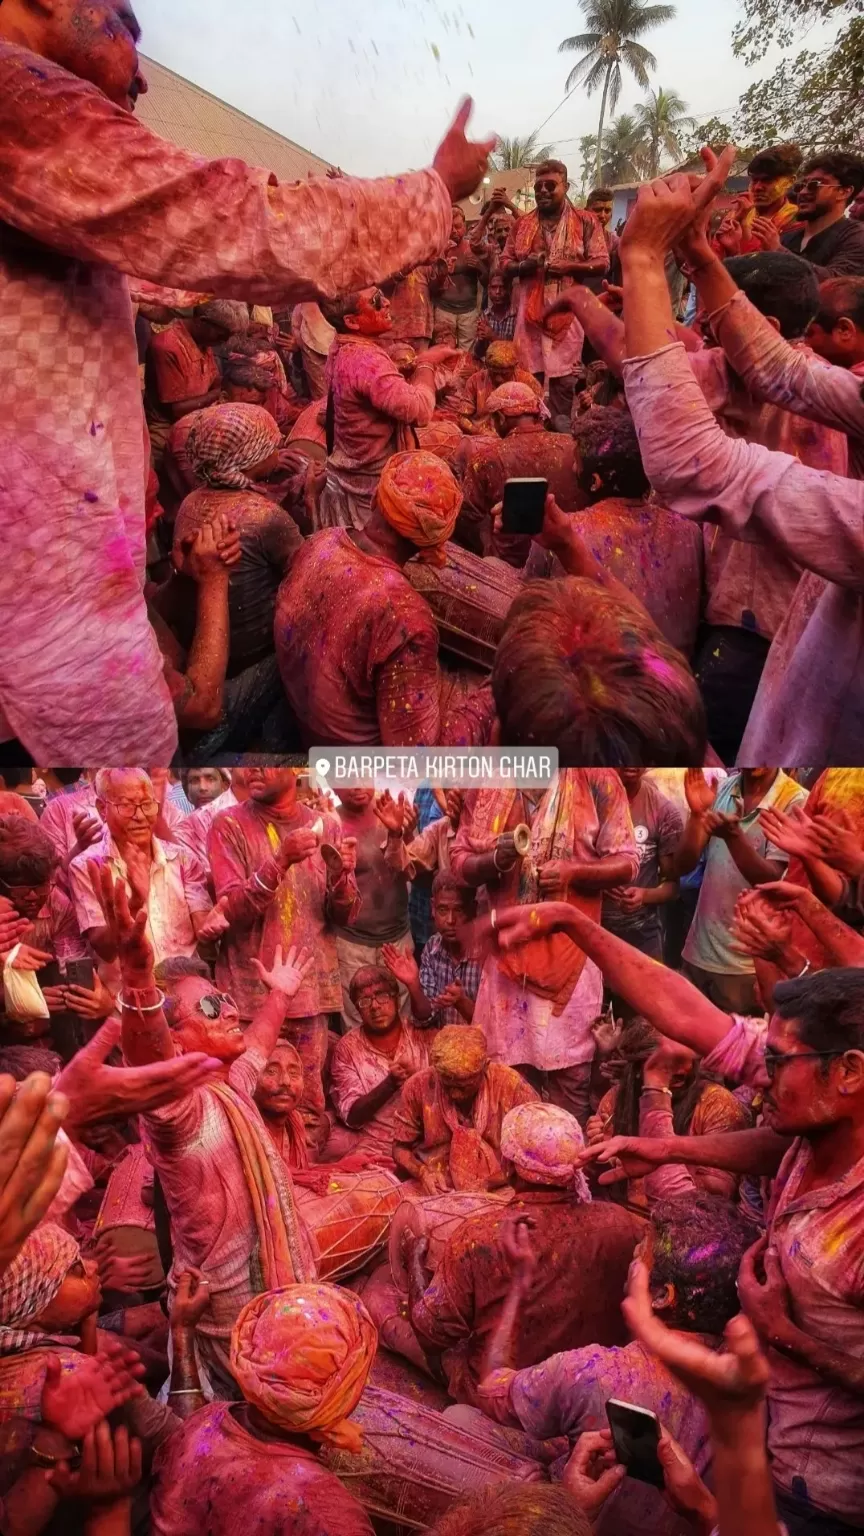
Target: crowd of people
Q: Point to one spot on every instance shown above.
(360, 1151)
(273, 424)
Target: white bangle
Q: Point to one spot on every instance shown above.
(270, 889)
(493, 918)
(137, 1008)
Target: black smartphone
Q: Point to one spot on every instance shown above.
(635, 1436)
(523, 506)
(51, 975)
(80, 973)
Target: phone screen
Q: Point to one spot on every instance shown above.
(80, 973)
(523, 506)
(635, 1434)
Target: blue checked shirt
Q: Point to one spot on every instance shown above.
(437, 970)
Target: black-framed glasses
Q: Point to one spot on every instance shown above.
(127, 807)
(212, 1004)
(775, 1059)
(813, 183)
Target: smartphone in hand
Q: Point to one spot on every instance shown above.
(635, 1436)
(523, 506)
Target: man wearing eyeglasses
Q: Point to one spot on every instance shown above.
(803, 1286)
(164, 877)
(824, 236)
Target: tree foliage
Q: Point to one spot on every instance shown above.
(513, 154)
(624, 155)
(610, 45)
(815, 99)
(662, 119)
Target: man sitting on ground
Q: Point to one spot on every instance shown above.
(370, 1064)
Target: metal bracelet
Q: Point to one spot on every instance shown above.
(139, 1007)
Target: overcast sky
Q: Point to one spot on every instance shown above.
(373, 89)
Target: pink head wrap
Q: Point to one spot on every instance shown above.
(543, 1142)
(516, 400)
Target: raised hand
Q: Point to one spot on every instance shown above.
(75, 1400)
(29, 959)
(698, 792)
(519, 1250)
(12, 927)
(460, 163)
(390, 812)
(735, 1378)
(667, 207)
(128, 934)
(286, 976)
(96, 1092)
(759, 929)
(402, 966)
(783, 895)
(839, 842)
(216, 922)
(790, 831)
(93, 1002)
(87, 827)
(295, 847)
(32, 1163)
(766, 232)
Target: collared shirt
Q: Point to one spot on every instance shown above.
(574, 1243)
(371, 400)
(357, 1067)
(195, 828)
(503, 326)
(422, 1124)
(439, 969)
(837, 251)
(815, 1428)
(710, 943)
(87, 194)
(178, 887)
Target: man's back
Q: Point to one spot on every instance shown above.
(583, 1256)
(343, 617)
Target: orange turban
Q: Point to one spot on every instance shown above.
(419, 496)
(438, 434)
(501, 354)
(301, 1356)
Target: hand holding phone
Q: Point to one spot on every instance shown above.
(635, 1436)
(524, 506)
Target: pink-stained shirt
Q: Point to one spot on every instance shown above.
(212, 1475)
(740, 1056)
(813, 710)
(56, 819)
(357, 647)
(356, 1068)
(554, 355)
(178, 887)
(195, 1153)
(751, 586)
(91, 194)
(194, 829)
(521, 1027)
(815, 1428)
(371, 400)
(241, 846)
(411, 306)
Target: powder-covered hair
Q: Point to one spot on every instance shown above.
(516, 1509)
(369, 975)
(446, 884)
(698, 1243)
(577, 667)
(27, 854)
(828, 1008)
(173, 969)
(609, 459)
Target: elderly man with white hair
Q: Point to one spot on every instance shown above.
(164, 877)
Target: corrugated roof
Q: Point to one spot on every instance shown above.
(192, 118)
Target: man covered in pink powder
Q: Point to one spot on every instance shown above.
(87, 195)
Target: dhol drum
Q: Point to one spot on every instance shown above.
(414, 1463)
(351, 1221)
(470, 598)
(436, 1217)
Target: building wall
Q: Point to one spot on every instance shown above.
(180, 111)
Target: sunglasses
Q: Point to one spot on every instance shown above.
(813, 183)
(212, 1004)
(377, 300)
(775, 1059)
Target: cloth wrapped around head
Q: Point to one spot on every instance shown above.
(501, 354)
(459, 1050)
(438, 434)
(301, 1356)
(543, 1142)
(515, 400)
(29, 1284)
(230, 314)
(227, 441)
(419, 496)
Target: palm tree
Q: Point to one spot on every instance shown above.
(612, 41)
(624, 150)
(512, 154)
(587, 157)
(663, 119)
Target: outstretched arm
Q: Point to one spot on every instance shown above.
(760, 1152)
(146, 1036)
(668, 1000)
